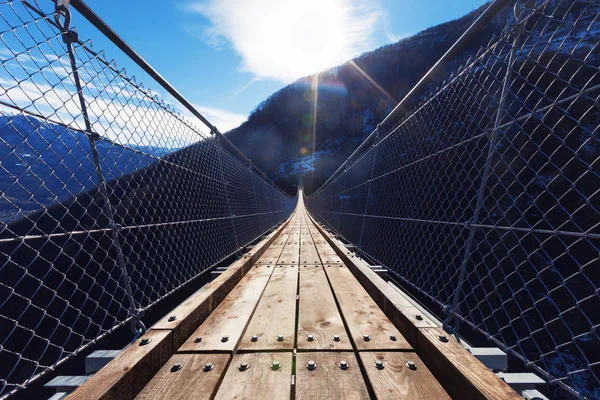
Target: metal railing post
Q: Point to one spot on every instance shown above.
(226, 187)
(375, 147)
(69, 36)
(471, 225)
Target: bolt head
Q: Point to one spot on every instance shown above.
(311, 365)
(244, 366)
(225, 338)
(344, 365)
(310, 338)
(411, 365)
(336, 338)
(144, 341)
(393, 338)
(378, 364)
(198, 339)
(280, 338)
(443, 338)
(254, 338)
(172, 318)
(176, 367)
(208, 366)
(366, 338)
(275, 365)
(419, 317)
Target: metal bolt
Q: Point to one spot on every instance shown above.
(378, 364)
(393, 338)
(366, 338)
(172, 318)
(244, 366)
(225, 338)
(275, 365)
(208, 366)
(419, 317)
(254, 338)
(443, 338)
(176, 367)
(336, 338)
(344, 365)
(198, 339)
(411, 365)
(280, 338)
(310, 338)
(311, 365)
(144, 341)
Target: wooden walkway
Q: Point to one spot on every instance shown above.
(289, 321)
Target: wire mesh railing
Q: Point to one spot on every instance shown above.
(110, 199)
(485, 198)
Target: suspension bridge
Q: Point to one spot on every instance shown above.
(454, 254)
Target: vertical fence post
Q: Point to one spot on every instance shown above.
(69, 36)
(337, 228)
(254, 192)
(226, 185)
(472, 224)
(375, 147)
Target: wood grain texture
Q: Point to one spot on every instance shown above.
(126, 375)
(397, 381)
(189, 382)
(400, 311)
(196, 308)
(362, 315)
(291, 251)
(231, 316)
(275, 314)
(318, 314)
(308, 252)
(259, 381)
(328, 380)
(270, 256)
(328, 256)
(459, 372)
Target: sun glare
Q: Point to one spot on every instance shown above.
(289, 39)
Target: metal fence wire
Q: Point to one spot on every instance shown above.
(485, 198)
(110, 199)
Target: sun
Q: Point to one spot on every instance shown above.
(289, 39)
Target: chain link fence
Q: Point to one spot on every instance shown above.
(110, 199)
(485, 198)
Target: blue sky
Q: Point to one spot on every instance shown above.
(226, 56)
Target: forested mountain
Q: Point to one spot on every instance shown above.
(278, 135)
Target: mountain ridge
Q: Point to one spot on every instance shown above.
(347, 102)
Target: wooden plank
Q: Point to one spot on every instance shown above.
(260, 380)
(196, 308)
(231, 316)
(191, 381)
(328, 256)
(461, 374)
(270, 256)
(128, 373)
(362, 315)
(318, 314)
(291, 251)
(328, 380)
(401, 312)
(275, 314)
(308, 252)
(397, 381)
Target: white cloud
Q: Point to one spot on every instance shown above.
(288, 39)
(224, 120)
(117, 110)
